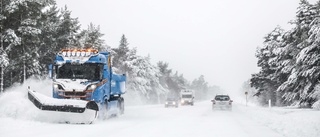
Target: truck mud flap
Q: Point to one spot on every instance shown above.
(88, 110)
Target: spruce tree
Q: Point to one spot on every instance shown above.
(92, 38)
(265, 81)
(295, 40)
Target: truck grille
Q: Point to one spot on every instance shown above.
(74, 93)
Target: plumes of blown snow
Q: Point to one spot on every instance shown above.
(15, 104)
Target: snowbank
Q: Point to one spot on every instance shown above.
(289, 122)
(316, 105)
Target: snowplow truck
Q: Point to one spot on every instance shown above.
(84, 87)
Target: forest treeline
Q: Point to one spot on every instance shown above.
(289, 61)
(33, 31)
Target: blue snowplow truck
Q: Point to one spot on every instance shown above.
(84, 87)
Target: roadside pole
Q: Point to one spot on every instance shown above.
(269, 103)
(246, 98)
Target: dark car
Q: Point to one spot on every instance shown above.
(171, 102)
(222, 102)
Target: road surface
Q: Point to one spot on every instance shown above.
(149, 121)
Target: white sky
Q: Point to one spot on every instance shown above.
(214, 38)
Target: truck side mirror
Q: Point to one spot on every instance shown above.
(50, 71)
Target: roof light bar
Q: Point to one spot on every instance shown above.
(78, 52)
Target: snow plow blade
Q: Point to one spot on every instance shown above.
(65, 110)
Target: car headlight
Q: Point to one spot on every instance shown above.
(174, 103)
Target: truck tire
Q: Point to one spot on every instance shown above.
(104, 110)
(121, 106)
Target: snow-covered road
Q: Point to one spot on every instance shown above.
(189, 121)
(147, 121)
(19, 117)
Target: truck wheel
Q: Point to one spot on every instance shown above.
(104, 110)
(121, 106)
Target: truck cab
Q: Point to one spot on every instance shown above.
(84, 87)
(86, 74)
(187, 97)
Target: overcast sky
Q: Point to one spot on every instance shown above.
(214, 38)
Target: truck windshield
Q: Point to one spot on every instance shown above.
(88, 71)
(186, 96)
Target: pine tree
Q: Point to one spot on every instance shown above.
(92, 38)
(200, 86)
(31, 32)
(49, 23)
(67, 30)
(166, 78)
(294, 41)
(289, 59)
(145, 79)
(22, 24)
(308, 62)
(123, 56)
(266, 81)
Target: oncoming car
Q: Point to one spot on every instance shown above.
(222, 102)
(171, 102)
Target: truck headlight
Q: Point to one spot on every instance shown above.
(92, 87)
(57, 87)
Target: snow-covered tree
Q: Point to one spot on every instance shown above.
(22, 24)
(123, 56)
(4, 62)
(32, 32)
(265, 81)
(289, 65)
(200, 86)
(49, 23)
(166, 79)
(145, 78)
(295, 41)
(92, 38)
(67, 30)
(308, 70)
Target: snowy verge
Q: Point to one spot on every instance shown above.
(316, 105)
(289, 122)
